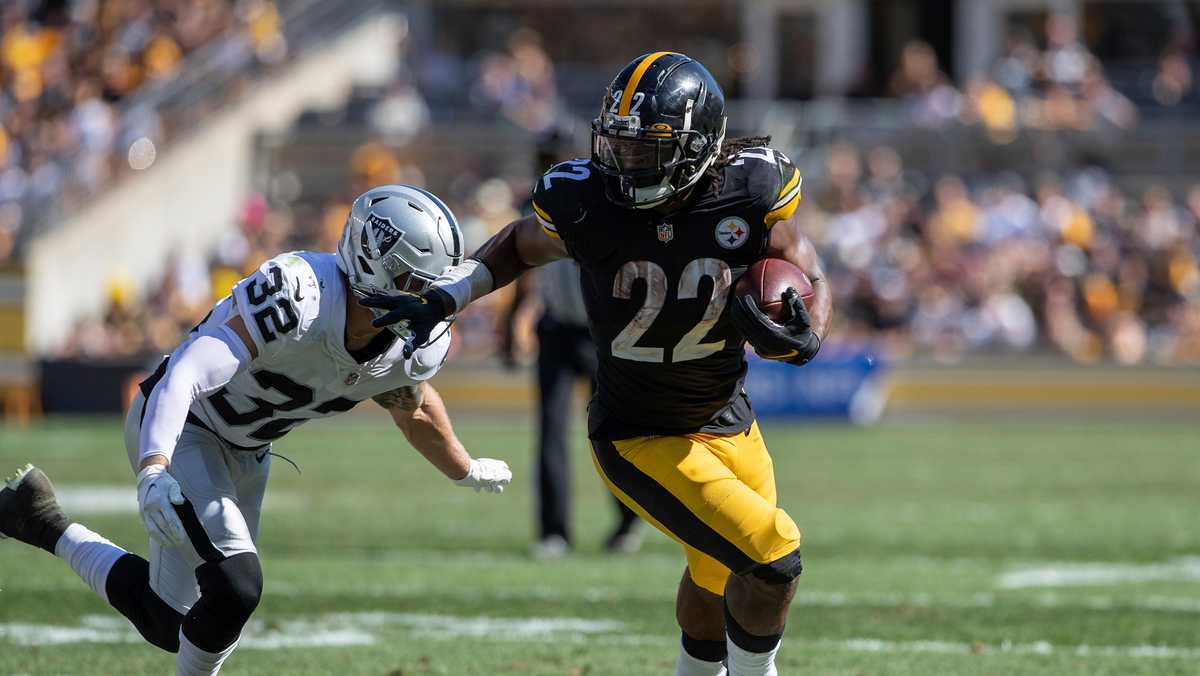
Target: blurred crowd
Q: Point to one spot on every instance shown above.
(140, 321)
(1061, 86)
(1075, 262)
(941, 267)
(68, 71)
(950, 265)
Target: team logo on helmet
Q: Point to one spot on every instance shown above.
(378, 236)
(732, 232)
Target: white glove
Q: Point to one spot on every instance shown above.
(158, 493)
(488, 475)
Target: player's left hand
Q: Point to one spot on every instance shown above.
(488, 475)
(421, 314)
(793, 342)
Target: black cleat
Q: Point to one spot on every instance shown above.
(29, 511)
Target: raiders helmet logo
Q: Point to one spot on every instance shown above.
(378, 236)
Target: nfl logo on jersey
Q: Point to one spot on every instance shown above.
(666, 232)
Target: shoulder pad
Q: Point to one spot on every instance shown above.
(557, 195)
(773, 180)
(279, 302)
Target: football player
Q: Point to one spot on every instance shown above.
(291, 343)
(663, 218)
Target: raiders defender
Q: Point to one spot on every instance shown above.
(290, 344)
(662, 219)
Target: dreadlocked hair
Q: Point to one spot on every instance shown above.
(729, 149)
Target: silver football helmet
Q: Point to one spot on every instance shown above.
(398, 239)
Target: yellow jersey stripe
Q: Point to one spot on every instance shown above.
(792, 183)
(636, 79)
(541, 213)
(552, 233)
(783, 212)
(786, 198)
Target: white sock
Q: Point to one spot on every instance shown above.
(745, 663)
(692, 666)
(192, 661)
(89, 554)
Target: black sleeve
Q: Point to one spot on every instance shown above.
(773, 180)
(557, 198)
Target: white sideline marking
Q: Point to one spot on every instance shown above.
(121, 499)
(1069, 574)
(1035, 648)
(335, 629)
(989, 600)
(97, 499)
(360, 629)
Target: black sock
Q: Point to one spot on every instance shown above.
(128, 590)
(709, 651)
(747, 641)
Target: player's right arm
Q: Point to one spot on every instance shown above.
(203, 364)
(264, 312)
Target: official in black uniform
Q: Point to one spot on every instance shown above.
(566, 353)
(662, 219)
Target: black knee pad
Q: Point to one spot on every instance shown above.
(780, 571)
(128, 590)
(231, 587)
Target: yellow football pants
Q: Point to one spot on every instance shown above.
(714, 494)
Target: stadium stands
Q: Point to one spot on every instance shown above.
(71, 75)
(929, 258)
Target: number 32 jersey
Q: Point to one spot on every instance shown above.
(656, 291)
(294, 308)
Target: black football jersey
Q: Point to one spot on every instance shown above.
(656, 290)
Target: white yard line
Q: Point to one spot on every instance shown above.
(122, 499)
(990, 600)
(1075, 574)
(363, 629)
(1035, 648)
(335, 629)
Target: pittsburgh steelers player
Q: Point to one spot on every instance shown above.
(289, 344)
(662, 219)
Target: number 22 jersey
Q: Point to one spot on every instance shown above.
(656, 290)
(294, 308)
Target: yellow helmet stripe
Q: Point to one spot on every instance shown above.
(635, 79)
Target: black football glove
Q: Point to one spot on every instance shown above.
(793, 342)
(420, 314)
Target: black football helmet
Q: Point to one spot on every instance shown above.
(661, 125)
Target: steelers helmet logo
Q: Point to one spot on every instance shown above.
(732, 232)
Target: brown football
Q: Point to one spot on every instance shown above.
(765, 282)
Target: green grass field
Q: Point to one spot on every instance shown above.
(929, 549)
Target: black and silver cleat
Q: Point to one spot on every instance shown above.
(29, 511)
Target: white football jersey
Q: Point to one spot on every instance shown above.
(294, 307)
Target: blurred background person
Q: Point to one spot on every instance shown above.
(565, 354)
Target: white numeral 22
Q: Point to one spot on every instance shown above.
(689, 346)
